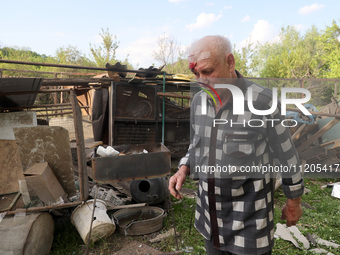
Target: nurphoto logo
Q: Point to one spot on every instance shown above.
(238, 99)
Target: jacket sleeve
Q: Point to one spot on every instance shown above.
(283, 149)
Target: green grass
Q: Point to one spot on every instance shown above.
(322, 220)
(66, 238)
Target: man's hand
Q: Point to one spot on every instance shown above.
(292, 211)
(177, 180)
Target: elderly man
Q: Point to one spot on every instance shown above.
(234, 213)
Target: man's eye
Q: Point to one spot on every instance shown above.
(207, 72)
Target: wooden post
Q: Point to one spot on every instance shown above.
(82, 169)
(111, 121)
(336, 89)
(55, 95)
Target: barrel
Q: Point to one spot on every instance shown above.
(151, 191)
(26, 234)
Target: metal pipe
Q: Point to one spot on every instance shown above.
(38, 91)
(55, 109)
(163, 113)
(37, 106)
(76, 67)
(76, 82)
(54, 114)
(44, 208)
(44, 72)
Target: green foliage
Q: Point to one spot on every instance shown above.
(106, 52)
(23, 54)
(330, 41)
(292, 56)
(72, 56)
(243, 58)
(314, 54)
(320, 216)
(181, 66)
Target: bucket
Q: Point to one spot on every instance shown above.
(140, 220)
(102, 225)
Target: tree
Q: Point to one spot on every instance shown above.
(243, 59)
(167, 50)
(106, 52)
(330, 41)
(71, 55)
(292, 56)
(169, 54)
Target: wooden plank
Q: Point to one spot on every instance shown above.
(79, 134)
(297, 133)
(332, 144)
(318, 134)
(126, 206)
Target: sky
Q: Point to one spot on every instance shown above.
(44, 26)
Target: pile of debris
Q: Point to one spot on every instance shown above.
(293, 235)
(317, 139)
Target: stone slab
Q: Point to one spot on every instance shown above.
(10, 167)
(9, 120)
(47, 144)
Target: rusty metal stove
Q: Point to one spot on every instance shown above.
(134, 164)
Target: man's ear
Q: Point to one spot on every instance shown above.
(231, 62)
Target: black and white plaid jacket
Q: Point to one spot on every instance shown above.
(236, 210)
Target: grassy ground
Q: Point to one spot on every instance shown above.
(321, 216)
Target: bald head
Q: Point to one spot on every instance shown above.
(209, 47)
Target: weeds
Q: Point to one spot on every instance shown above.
(321, 216)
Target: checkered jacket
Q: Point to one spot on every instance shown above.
(236, 209)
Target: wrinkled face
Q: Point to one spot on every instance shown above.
(213, 67)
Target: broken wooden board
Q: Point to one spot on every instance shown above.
(47, 144)
(10, 167)
(7, 201)
(27, 234)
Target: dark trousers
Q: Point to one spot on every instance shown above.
(209, 246)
